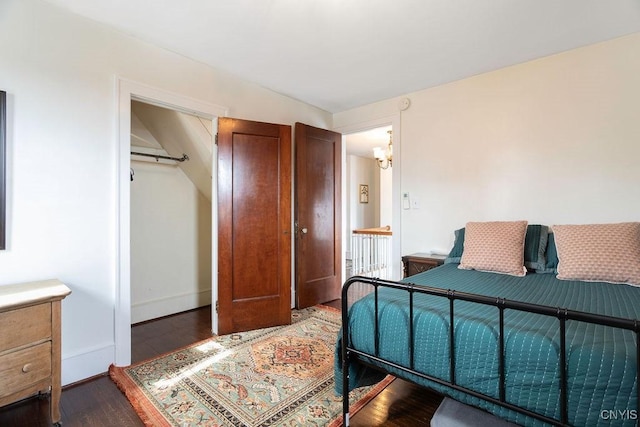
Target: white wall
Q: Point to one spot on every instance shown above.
(59, 71)
(556, 140)
(170, 242)
(363, 171)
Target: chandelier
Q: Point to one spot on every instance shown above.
(384, 157)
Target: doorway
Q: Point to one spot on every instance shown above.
(129, 91)
(382, 206)
(369, 213)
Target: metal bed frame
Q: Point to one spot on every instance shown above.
(350, 354)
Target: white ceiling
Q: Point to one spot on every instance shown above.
(362, 143)
(341, 54)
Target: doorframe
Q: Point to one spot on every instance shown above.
(396, 188)
(127, 91)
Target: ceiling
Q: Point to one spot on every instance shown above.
(362, 143)
(341, 54)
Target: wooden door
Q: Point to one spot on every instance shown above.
(254, 225)
(318, 213)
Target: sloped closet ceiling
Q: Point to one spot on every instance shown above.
(162, 131)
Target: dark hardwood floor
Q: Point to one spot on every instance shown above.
(98, 402)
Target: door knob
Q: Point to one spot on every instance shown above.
(304, 230)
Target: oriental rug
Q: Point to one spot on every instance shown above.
(281, 376)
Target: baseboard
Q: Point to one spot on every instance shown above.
(96, 360)
(169, 305)
(89, 363)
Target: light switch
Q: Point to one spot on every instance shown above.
(405, 201)
(415, 203)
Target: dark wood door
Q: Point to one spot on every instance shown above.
(254, 225)
(318, 215)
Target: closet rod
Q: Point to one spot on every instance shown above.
(158, 157)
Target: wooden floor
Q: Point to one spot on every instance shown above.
(98, 402)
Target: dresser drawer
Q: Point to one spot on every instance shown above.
(419, 267)
(25, 326)
(23, 368)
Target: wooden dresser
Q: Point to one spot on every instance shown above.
(30, 342)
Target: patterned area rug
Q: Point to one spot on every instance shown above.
(280, 376)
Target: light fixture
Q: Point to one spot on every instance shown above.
(384, 157)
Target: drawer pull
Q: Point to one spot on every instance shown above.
(26, 368)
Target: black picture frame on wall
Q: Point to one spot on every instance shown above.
(3, 164)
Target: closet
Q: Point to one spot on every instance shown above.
(171, 157)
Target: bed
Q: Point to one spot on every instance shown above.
(532, 349)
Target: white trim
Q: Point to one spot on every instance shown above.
(344, 221)
(214, 227)
(86, 363)
(396, 223)
(126, 90)
(158, 307)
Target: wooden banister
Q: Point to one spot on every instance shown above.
(380, 231)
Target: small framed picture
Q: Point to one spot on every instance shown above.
(364, 193)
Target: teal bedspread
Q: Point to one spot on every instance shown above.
(601, 361)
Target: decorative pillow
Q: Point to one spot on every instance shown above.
(496, 246)
(599, 252)
(458, 245)
(551, 256)
(535, 246)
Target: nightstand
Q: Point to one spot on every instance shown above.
(419, 262)
(30, 342)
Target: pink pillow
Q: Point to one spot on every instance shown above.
(496, 247)
(599, 252)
